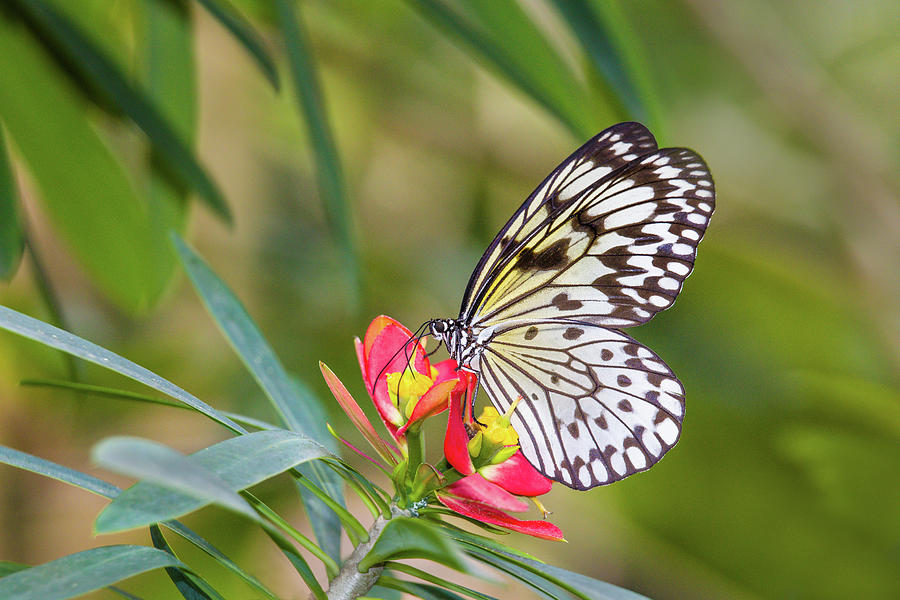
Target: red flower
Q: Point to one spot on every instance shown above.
(496, 471)
(488, 474)
(405, 387)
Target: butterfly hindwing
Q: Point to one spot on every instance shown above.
(615, 253)
(596, 405)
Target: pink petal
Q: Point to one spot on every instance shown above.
(477, 489)
(456, 440)
(488, 514)
(517, 476)
(432, 402)
(357, 416)
(386, 352)
(447, 369)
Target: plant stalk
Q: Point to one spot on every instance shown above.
(349, 583)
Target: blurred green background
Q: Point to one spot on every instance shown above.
(444, 117)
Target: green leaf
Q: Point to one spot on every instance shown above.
(403, 537)
(633, 63)
(426, 592)
(446, 586)
(298, 408)
(224, 468)
(599, 44)
(179, 481)
(12, 239)
(9, 567)
(190, 586)
(502, 36)
(244, 33)
(329, 172)
(83, 572)
(549, 579)
(54, 337)
(169, 75)
(108, 392)
(101, 72)
(97, 486)
(85, 189)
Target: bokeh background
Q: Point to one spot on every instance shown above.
(787, 336)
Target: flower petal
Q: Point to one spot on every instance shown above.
(488, 514)
(432, 402)
(517, 476)
(357, 416)
(477, 489)
(387, 348)
(456, 440)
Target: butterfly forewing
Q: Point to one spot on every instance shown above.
(596, 405)
(600, 156)
(615, 253)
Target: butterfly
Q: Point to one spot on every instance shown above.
(604, 243)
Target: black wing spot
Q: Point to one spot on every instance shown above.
(531, 333)
(623, 380)
(573, 333)
(562, 302)
(625, 405)
(553, 256)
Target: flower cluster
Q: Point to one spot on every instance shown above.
(482, 474)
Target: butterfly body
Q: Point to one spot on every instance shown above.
(604, 242)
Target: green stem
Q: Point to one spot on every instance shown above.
(45, 289)
(354, 528)
(330, 565)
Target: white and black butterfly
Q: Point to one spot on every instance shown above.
(605, 242)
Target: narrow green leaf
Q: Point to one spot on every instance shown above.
(86, 191)
(403, 537)
(298, 408)
(170, 80)
(599, 45)
(9, 567)
(108, 392)
(99, 487)
(329, 172)
(97, 68)
(83, 572)
(439, 581)
(502, 36)
(628, 46)
(178, 480)
(244, 33)
(300, 565)
(550, 579)
(426, 592)
(190, 586)
(236, 464)
(54, 337)
(12, 239)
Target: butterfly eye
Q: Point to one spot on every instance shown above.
(438, 327)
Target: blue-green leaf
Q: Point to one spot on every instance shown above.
(298, 408)
(173, 480)
(54, 337)
(403, 537)
(91, 484)
(83, 572)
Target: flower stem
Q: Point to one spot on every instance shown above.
(349, 583)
